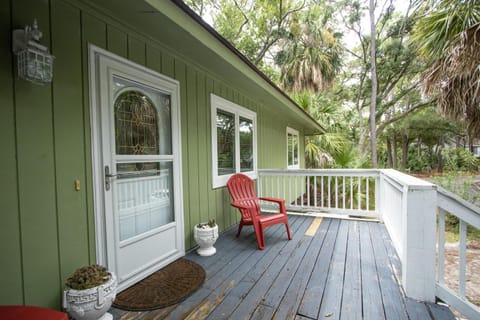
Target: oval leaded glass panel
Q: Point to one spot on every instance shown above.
(136, 125)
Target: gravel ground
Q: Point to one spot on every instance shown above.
(452, 262)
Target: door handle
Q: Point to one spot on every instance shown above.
(108, 176)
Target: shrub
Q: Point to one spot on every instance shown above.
(88, 277)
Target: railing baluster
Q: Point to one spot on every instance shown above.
(359, 199)
(289, 189)
(367, 194)
(343, 191)
(441, 246)
(463, 257)
(329, 193)
(336, 192)
(323, 202)
(271, 185)
(308, 190)
(315, 191)
(299, 190)
(351, 193)
(295, 187)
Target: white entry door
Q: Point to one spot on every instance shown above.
(135, 125)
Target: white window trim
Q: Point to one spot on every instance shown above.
(239, 111)
(293, 132)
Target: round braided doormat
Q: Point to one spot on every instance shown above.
(163, 288)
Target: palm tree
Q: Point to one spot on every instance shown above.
(448, 33)
(310, 58)
(324, 150)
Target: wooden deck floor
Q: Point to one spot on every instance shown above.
(344, 269)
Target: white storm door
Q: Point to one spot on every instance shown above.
(138, 138)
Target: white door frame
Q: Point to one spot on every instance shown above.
(98, 162)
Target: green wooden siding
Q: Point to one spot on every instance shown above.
(47, 227)
(11, 279)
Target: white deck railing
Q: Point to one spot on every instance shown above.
(143, 203)
(408, 206)
(339, 191)
(468, 215)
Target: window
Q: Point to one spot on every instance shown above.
(234, 141)
(293, 149)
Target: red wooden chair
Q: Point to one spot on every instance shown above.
(242, 191)
(30, 313)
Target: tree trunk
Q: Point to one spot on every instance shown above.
(373, 99)
(394, 155)
(389, 153)
(439, 154)
(362, 132)
(405, 142)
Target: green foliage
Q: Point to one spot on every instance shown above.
(459, 159)
(253, 27)
(298, 44)
(458, 183)
(440, 23)
(310, 57)
(418, 164)
(88, 277)
(210, 224)
(345, 158)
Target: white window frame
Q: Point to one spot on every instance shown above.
(293, 132)
(218, 103)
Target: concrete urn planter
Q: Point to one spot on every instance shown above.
(205, 236)
(93, 303)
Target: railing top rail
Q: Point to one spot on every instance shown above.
(452, 196)
(321, 172)
(406, 180)
(459, 207)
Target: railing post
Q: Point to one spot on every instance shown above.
(378, 195)
(419, 232)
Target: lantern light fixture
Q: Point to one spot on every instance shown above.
(34, 61)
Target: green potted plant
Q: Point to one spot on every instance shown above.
(90, 293)
(205, 234)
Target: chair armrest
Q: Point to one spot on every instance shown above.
(277, 200)
(248, 207)
(242, 205)
(281, 203)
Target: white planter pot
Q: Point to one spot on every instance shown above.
(93, 303)
(205, 238)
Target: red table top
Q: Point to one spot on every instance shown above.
(30, 313)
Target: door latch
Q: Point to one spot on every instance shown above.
(108, 176)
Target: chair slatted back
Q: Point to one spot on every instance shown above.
(242, 188)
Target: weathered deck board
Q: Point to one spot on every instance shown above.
(416, 311)
(347, 270)
(292, 298)
(264, 281)
(332, 296)
(440, 312)
(393, 303)
(223, 284)
(370, 285)
(352, 288)
(312, 298)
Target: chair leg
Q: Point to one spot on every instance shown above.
(260, 237)
(288, 231)
(240, 226)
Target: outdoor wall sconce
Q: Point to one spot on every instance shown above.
(34, 62)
